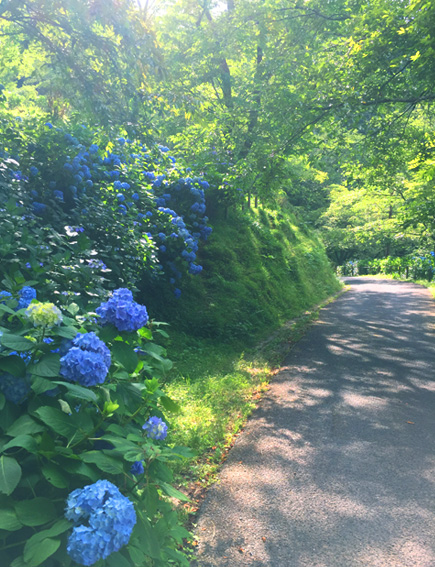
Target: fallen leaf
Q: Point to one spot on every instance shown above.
(411, 422)
(241, 550)
(263, 538)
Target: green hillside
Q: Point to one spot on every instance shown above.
(260, 269)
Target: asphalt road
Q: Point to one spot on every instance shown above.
(336, 468)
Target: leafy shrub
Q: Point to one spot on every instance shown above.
(132, 210)
(82, 427)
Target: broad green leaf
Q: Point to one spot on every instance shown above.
(78, 392)
(82, 469)
(9, 520)
(13, 364)
(55, 475)
(25, 441)
(60, 422)
(117, 560)
(19, 562)
(40, 385)
(173, 492)
(137, 555)
(37, 555)
(48, 366)
(2, 401)
(16, 342)
(125, 355)
(23, 425)
(10, 474)
(35, 512)
(104, 462)
(184, 452)
(108, 333)
(145, 537)
(66, 332)
(146, 333)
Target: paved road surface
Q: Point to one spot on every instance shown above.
(337, 466)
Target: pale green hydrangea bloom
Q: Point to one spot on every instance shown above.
(44, 314)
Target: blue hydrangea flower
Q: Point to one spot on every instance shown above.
(33, 170)
(38, 208)
(137, 468)
(27, 293)
(58, 195)
(91, 342)
(120, 197)
(4, 295)
(122, 311)
(82, 366)
(107, 520)
(87, 362)
(155, 428)
(14, 389)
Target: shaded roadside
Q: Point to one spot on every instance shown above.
(336, 467)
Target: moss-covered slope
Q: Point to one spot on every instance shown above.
(260, 269)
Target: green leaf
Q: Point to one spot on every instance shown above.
(184, 452)
(10, 474)
(106, 463)
(169, 404)
(54, 475)
(58, 421)
(48, 366)
(73, 308)
(35, 512)
(137, 555)
(145, 537)
(117, 560)
(9, 520)
(125, 355)
(173, 492)
(25, 424)
(25, 441)
(146, 333)
(82, 469)
(37, 555)
(41, 385)
(19, 562)
(16, 342)
(13, 364)
(108, 333)
(2, 401)
(66, 332)
(78, 392)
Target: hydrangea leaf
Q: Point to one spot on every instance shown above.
(35, 512)
(13, 364)
(24, 424)
(9, 520)
(78, 392)
(43, 551)
(58, 421)
(16, 342)
(25, 441)
(125, 355)
(2, 401)
(54, 475)
(10, 474)
(40, 385)
(104, 462)
(48, 366)
(117, 560)
(172, 492)
(65, 332)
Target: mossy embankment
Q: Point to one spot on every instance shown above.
(261, 268)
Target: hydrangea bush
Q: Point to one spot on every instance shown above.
(132, 210)
(84, 475)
